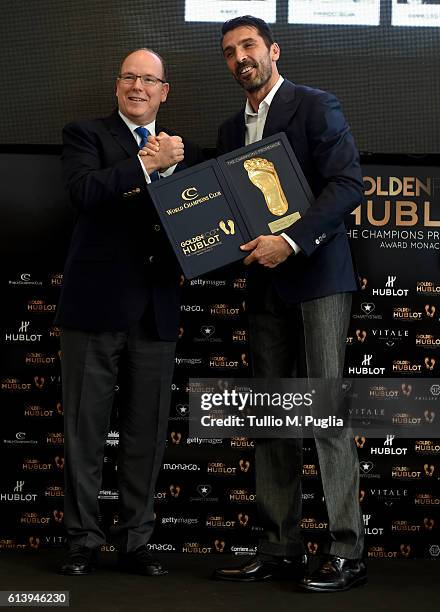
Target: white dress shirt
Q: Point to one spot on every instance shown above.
(255, 122)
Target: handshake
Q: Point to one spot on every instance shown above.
(161, 152)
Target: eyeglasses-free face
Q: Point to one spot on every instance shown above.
(249, 59)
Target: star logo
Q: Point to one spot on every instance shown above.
(366, 466)
(204, 490)
(367, 307)
(207, 330)
(182, 409)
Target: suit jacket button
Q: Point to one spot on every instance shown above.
(324, 236)
(137, 190)
(151, 259)
(317, 241)
(156, 228)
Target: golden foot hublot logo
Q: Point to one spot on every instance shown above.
(229, 229)
(262, 174)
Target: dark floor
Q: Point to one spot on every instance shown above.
(397, 586)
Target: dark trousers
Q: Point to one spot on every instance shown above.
(90, 364)
(290, 340)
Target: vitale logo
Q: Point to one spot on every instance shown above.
(389, 335)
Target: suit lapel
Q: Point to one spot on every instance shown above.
(234, 134)
(283, 107)
(122, 134)
(239, 133)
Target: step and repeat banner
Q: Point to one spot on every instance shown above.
(205, 497)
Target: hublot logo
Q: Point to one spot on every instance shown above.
(389, 289)
(366, 368)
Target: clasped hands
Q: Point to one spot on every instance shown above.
(161, 151)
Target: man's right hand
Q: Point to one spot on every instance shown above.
(164, 151)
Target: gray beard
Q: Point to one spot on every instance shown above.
(257, 84)
(252, 87)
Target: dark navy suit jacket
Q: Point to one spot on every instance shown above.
(320, 137)
(119, 259)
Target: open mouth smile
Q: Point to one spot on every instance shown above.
(243, 70)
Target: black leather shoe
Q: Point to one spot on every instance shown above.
(261, 568)
(140, 561)
(79, 561)
(336, 574)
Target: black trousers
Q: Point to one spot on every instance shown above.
(291, 340)
(90, 363)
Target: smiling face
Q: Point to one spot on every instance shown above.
(136, 101)
(249, 59)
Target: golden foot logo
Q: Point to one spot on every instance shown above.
(361, 334)
(360, 441)
(230, 230)
(430, 310)
(430, 363)
(406, 389)
(263, 175)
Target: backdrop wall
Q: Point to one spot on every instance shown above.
(205, 499)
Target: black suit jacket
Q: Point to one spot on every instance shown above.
(320, 137)
(119, 259)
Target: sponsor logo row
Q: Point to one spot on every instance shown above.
(221, 545)
(207, 492)
(55, 279)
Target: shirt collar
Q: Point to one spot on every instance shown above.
(267, 100)
(151, 127)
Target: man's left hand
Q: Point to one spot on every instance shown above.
(151, 147)
(268, 251)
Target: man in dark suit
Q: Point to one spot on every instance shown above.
(300, 285)
(119, 313)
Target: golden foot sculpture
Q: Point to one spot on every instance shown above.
(263, 175)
